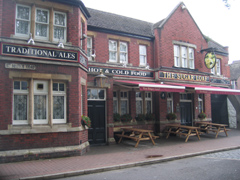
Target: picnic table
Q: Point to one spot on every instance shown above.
(137, 135)
(182, 130)
(214, 127)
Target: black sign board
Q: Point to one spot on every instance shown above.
(121, 72)
(40, 53)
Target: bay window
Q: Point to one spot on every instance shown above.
(44, 24)
(89, 47)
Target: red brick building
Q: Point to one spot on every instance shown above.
(60, 60)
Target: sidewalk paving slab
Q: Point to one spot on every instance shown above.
(118, 156)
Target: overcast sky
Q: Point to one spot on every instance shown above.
(212, 17)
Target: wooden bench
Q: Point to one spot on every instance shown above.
(137, 135)
(182, 130)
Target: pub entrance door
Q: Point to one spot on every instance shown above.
(186, 109)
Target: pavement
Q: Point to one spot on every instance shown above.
(119, 156)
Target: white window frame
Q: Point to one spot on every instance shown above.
(20, 92)
(200, 102)
(47, 23)
(143, 54)
(57, 25)
(148, 97)
(140, 99)
(63, 94)
(216, 70)
(182, 55)
(124, 98)
(117, 51)
(170, 99)
(89, 47)
(43, 92)
(115, 98)
(18, 19)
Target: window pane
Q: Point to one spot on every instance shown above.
(123, 47)
(112, 55)
(112, 45)
(24, 85)
(59, 33)
(123, 107)
(149, 107)
(89, 93)
(61, 87)
(139, 107)
(94, 93)
(55, 86)
(58, 107)
(22, 27)
(42, 16)
(59, 19)
(23, 12)
(123, 57)
(41, 30)
(40, 107)
(17, 85)
(101, 94)
(20, 107)
(115, 105)
(169, 106)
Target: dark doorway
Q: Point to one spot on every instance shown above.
(186, 113)
(219, 109)
(97, 132)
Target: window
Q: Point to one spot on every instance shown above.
(20, 102)
(96, 94)
(115, 102)
(89, 47)
(169, 102)
(60, 26)
(118, 51)
(46, 27)
(200, 103)
(142, 55)
(23, 14)
(40, 101)
(139, 103)
(59, 103)
(148, 104)
(124, 102)
(217, 68)
(184, 56)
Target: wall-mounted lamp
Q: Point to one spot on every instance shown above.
(94, 54)
(84, 36)
(31, 41)
(60, 44)
(147, 66)
(100, 79)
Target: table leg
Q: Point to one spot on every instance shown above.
(197, 134)
(225, 131)
(150, 136)
(218, 130)
(140, 136)
(189, 132)
(121, 137)
(169, 130)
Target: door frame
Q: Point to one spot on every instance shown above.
(105, 100)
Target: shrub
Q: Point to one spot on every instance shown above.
(126, 118)
(202, 115)
(140, 117)
(150, 117)
(171, 116)
(116, 117)
(86, 121)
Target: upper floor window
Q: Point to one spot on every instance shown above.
(142, 55)
(118, 51)
(217, 68)
(89, 47)
(45, 27)
(183, 56)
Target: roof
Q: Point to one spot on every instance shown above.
(235, 70)
(219, 48)
(78, 3)
(114, 22)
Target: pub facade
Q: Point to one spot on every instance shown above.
(60, 61)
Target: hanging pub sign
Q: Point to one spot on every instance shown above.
(210, 60)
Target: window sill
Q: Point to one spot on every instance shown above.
(37, 129)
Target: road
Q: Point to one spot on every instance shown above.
(217, 166)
